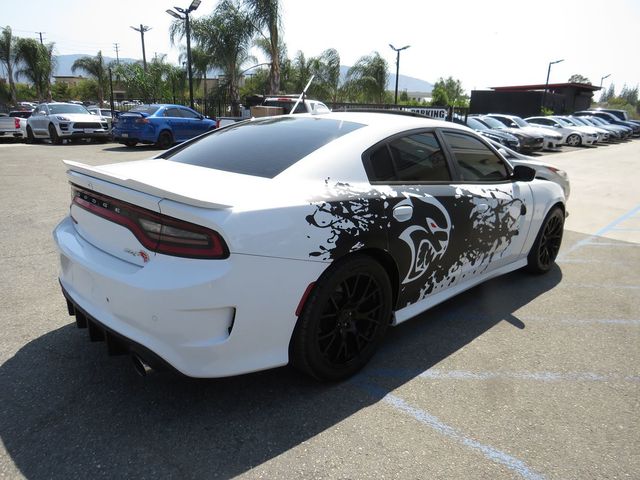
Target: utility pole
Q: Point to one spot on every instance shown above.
(185, 11)
(142, 30)
(40, 33)
(398, 50)
(115, 46)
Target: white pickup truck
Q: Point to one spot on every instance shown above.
(15, 125)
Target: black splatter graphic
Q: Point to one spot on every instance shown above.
(460, 229)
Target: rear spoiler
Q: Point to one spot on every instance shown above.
(77, 168)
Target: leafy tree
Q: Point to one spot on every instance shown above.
(608, 94)
(630, 95)
(225, 36)
(366, 81)
(9, 58)
(404, 96)
(37, 64)
(265, 15)
(87, 89)
(449, 92)
(96, 69)
(61, 91)
(326, 68)
(577, 78)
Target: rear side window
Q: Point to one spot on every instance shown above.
(263, 147)
(411, 159)
(477, 162)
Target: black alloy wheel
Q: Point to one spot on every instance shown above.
(165, 140)
(344, 320)
(30, 136)
(547, 245)
(53, 135)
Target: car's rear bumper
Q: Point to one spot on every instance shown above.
(204, 318)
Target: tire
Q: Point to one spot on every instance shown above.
(165, 140)
(130, 143)
(344, 319)
(574, 140)
(30, 136)
(545, 249)
(53, 135)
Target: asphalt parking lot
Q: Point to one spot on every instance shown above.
(522, 377)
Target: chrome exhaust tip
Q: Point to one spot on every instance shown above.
(140, 366)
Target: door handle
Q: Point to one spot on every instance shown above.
(403, 213)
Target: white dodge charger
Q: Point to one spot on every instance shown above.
(295, 239)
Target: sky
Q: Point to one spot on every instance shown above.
(482, 43)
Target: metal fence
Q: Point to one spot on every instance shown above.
(448, 113)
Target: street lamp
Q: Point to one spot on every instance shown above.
(142, 30)
(398, 50)
(194, 5)
(546, 85)
(602, 78)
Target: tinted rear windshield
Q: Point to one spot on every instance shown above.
(264, 147)
(148, 109)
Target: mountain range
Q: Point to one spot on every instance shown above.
(410, 84)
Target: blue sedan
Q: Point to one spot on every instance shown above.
(160, 124)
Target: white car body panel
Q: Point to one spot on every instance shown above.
(215, 318)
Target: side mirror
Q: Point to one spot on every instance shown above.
(523, 173)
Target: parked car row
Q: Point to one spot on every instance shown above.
(587, 127)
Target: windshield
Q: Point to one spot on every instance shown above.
(598, 120)
(476, 124)
(572, 121)
(262, 147)
(55, 108)
(519, 121)
(493, 123)
(563, 122)
(583, 121)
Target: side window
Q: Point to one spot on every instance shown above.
(172, 112)
(411, 159)
(188, 113)
(477, 162)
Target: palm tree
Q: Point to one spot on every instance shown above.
(266, 14)
(226, 35)
(37, 65)
(326, 69)
(368, 78)
(9, 58)
(95, 68)
(201, 61)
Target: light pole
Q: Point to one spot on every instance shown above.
(602, 78)
(546, 85)
(194, 5)
(398, 50)
(142, 30)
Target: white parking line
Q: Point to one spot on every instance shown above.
(493, 454)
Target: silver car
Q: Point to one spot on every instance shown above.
(58, 121)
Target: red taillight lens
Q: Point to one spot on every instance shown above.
(16, 122)
(157, 232)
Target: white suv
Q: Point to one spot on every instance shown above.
(58, 121)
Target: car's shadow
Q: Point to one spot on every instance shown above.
(70, 411)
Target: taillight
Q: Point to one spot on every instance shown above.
(16, 122)
(157, 232)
